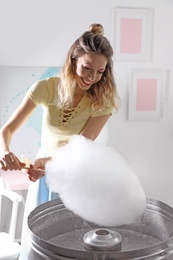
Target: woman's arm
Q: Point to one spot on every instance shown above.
(94, 126)
(8, 161)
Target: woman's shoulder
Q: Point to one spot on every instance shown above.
(50, 82)
(53, 80)
(44, 90)
(45, 83)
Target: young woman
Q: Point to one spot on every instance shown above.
(78, 101)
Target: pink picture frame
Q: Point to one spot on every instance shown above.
(147, 93)
(133, 34)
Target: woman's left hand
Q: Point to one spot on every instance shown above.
(37, 169)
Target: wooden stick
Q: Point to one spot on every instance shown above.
(27, 168)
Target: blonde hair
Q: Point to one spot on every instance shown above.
(103, 94)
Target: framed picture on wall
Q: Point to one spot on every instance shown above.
(147, 94)
(133, 31)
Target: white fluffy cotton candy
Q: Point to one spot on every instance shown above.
(96, 183)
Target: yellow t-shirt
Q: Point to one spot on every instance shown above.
(58, 126)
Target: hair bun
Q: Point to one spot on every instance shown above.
(96, 28)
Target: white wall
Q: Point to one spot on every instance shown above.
(39, 33)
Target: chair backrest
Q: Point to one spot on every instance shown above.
(15, 198)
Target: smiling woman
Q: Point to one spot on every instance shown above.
(77, 102)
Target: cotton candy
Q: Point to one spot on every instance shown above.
(96, 183)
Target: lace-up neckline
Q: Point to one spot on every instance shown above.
(66, 116)
(70, 113)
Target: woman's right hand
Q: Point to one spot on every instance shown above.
(37, 169)
(8, 161)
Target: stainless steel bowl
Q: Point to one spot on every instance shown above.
(54, 232)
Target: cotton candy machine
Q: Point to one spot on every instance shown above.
(54, 232)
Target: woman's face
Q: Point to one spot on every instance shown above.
(89, 69)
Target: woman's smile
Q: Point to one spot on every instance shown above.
(87, 82)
